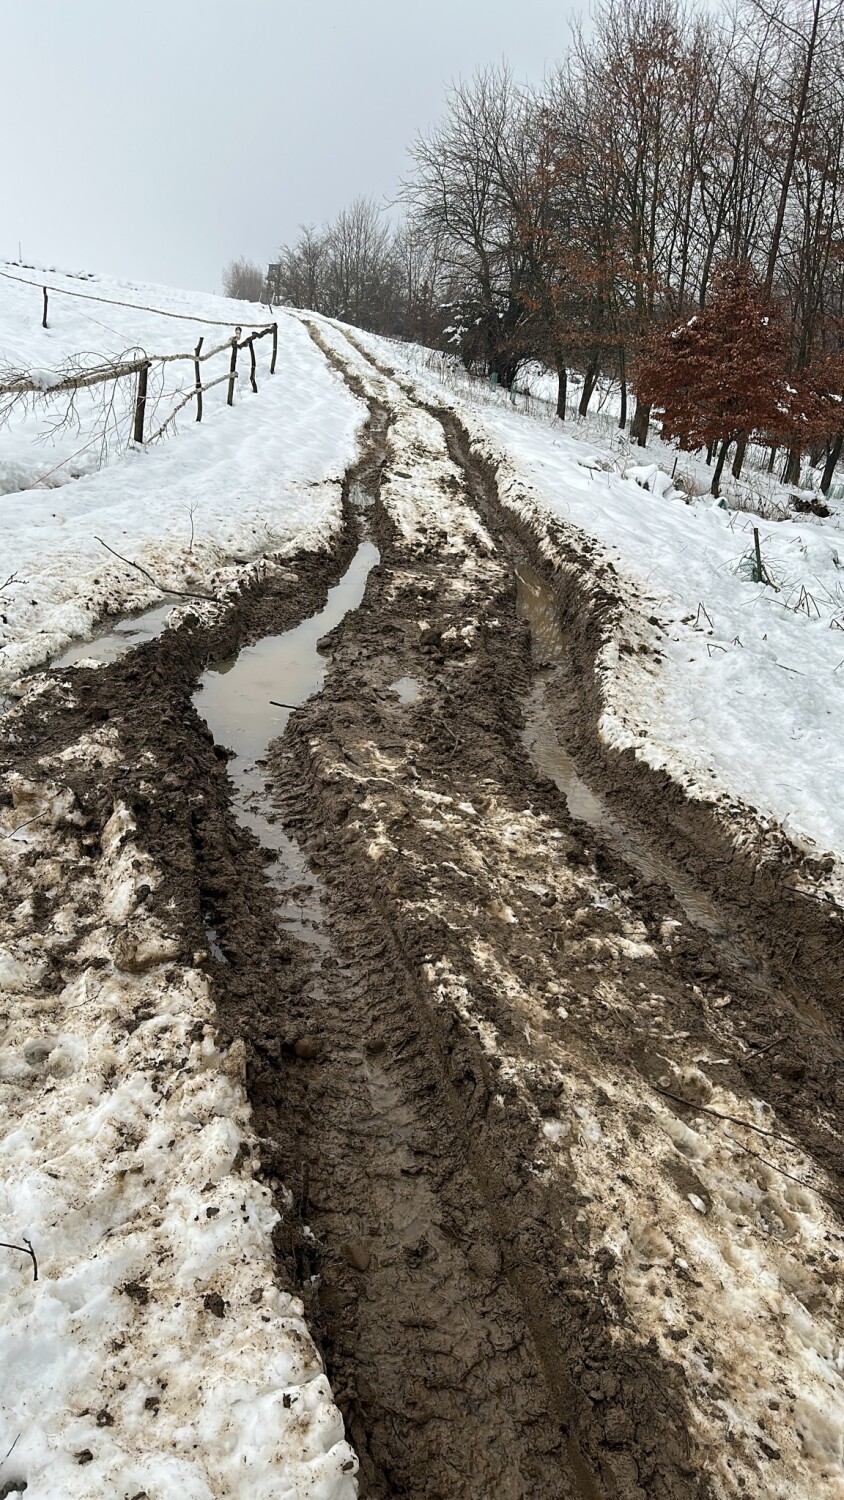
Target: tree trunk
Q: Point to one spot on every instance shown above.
(773, 458)
(791, 472)
(640, 425)
(709, 452)
(741, 449)
(562, 388)
(832, 457)
(590, 380)
(719, 468)
(796, 130)
(622, 370)
(504, 366)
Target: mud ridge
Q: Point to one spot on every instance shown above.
(430, 743)
(801, 936)
(749, 873)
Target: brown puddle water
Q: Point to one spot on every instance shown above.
(535, 600)
(122, 637)
(246, 701)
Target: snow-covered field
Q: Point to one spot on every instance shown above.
(263, 475)
(744, 700)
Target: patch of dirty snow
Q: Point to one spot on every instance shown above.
(153, 1353)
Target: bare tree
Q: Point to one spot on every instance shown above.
(244, 280)
(465, 192)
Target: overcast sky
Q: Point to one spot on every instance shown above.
(159, 140)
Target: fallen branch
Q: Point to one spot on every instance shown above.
(162, 588)
(733, 1119)
(25, 1249)
(193, 394)
(22, 825)
(275, 703)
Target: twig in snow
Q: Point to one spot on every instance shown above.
(12, 578)
(801, 1181)
(22, 825)
(12, 1449)
(733, 1119)
(191, 509)
(702, 610)
(806, 602)
(162, 588)
(25, 1249)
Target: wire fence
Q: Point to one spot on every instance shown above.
(42, 387)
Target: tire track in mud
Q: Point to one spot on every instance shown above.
(379, 640)
(435, 1094)
(624, 1395)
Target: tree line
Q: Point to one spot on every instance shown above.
(664, 211)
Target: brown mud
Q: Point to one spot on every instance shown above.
(475, 1338)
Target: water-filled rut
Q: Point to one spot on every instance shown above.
(246, 701)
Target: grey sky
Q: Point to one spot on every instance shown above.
(160, 140)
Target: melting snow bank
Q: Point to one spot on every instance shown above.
(262, 476)
(154, 1353)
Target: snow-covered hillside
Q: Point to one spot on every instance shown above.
(261, 475)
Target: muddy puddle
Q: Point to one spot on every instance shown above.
(246, 701)
(114, 643)
(406, 689)
(550, 757)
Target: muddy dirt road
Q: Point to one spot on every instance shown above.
(553, 1123)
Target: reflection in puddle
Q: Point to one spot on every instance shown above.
(122, 637)
(246, 702)
(407, 689)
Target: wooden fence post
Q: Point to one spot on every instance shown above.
(275, 348)
(198, 381)
(252, 367)
(233, 368)
(44, 314)
(140, 403)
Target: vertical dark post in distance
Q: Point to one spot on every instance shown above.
(275, 348)
(233, 368)
(140, 403)
(198, 375)
(44, 314)
(252, 366)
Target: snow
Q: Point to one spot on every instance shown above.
(740, 693)
(154, 1354)
(263, 476)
